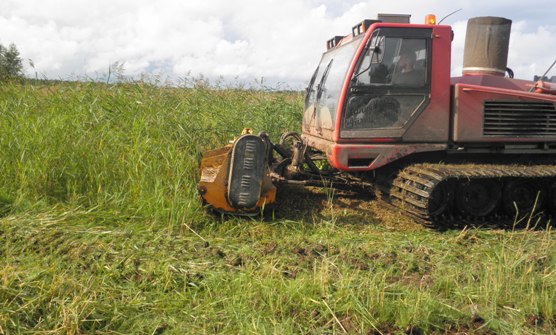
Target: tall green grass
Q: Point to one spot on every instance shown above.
(101, 232)
(129, 148)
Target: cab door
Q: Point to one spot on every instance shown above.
(390, 86)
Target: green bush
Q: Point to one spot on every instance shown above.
(11, 65)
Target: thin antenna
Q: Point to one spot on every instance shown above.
(439, 22)
(550, 68)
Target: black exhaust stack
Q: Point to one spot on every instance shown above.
(486, 46)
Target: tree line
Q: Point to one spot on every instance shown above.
(11, 65)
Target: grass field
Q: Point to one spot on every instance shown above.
(102, 232)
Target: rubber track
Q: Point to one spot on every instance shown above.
(411, 190)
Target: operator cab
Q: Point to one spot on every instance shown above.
(376, 85)
(389, 83)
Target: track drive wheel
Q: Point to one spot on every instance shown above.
(478, 197)
(552, 198)
(522, 195)
(440, 199)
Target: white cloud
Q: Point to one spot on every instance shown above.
(532, 51)
(280, 40)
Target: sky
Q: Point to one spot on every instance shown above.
(278, 42)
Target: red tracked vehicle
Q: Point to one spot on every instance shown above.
(382, 110)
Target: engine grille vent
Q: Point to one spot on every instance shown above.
(519, 118)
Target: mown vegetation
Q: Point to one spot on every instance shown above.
(101, 231)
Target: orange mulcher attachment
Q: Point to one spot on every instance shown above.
(236, 178)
